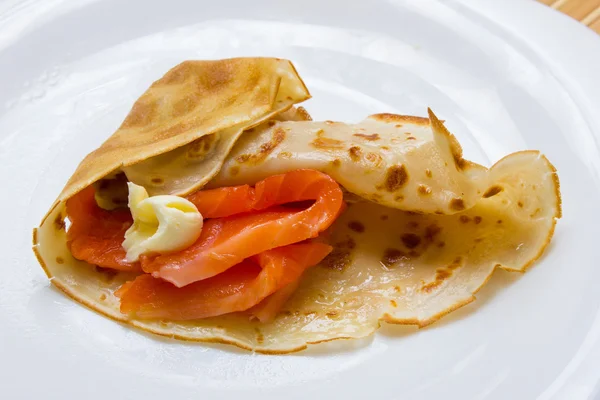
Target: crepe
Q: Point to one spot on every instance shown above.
(205, 104)
(403, 162)
(423, 231)
(187, 168)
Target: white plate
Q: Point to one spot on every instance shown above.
(505, 76)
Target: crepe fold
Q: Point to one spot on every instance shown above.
(423, 231)
(202, 104)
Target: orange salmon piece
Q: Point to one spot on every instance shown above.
(294, 186)
(96, 235)
(268, 309)
(225, 242)
(239, 288)
(223, 202)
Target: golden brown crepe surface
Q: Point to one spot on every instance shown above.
(207, 102)
(388, 264)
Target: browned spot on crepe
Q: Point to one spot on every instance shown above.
(371, 137)
(410, 240)
(457, 204)
(325, 143)
(356, 226)
(395, 178)
(265, 148)
(423, 190)
(391, 256)
(492, 191)
(374, 158)
(441, 274)
(59, 223)
(341, 255)
(355, 153)
(336, 163)
(409, 119)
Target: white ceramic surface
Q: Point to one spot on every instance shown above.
(505, 76)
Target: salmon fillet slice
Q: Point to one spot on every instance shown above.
(237, 289)
(261, 226)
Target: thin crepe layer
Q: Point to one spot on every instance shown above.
(441, 227)
(402, 162)
(387, 265)
(205, 104)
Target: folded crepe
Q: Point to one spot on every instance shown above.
(422, 230)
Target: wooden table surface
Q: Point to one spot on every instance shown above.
(585, 11)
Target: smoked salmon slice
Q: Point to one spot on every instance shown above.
(241, 222)
(268, 309)
(295, 186)
(96, 235)
(250, 255)
(224, 202)
(227, 241)
(237, 289)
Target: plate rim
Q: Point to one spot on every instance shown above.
(544, 30)
(572, 61)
